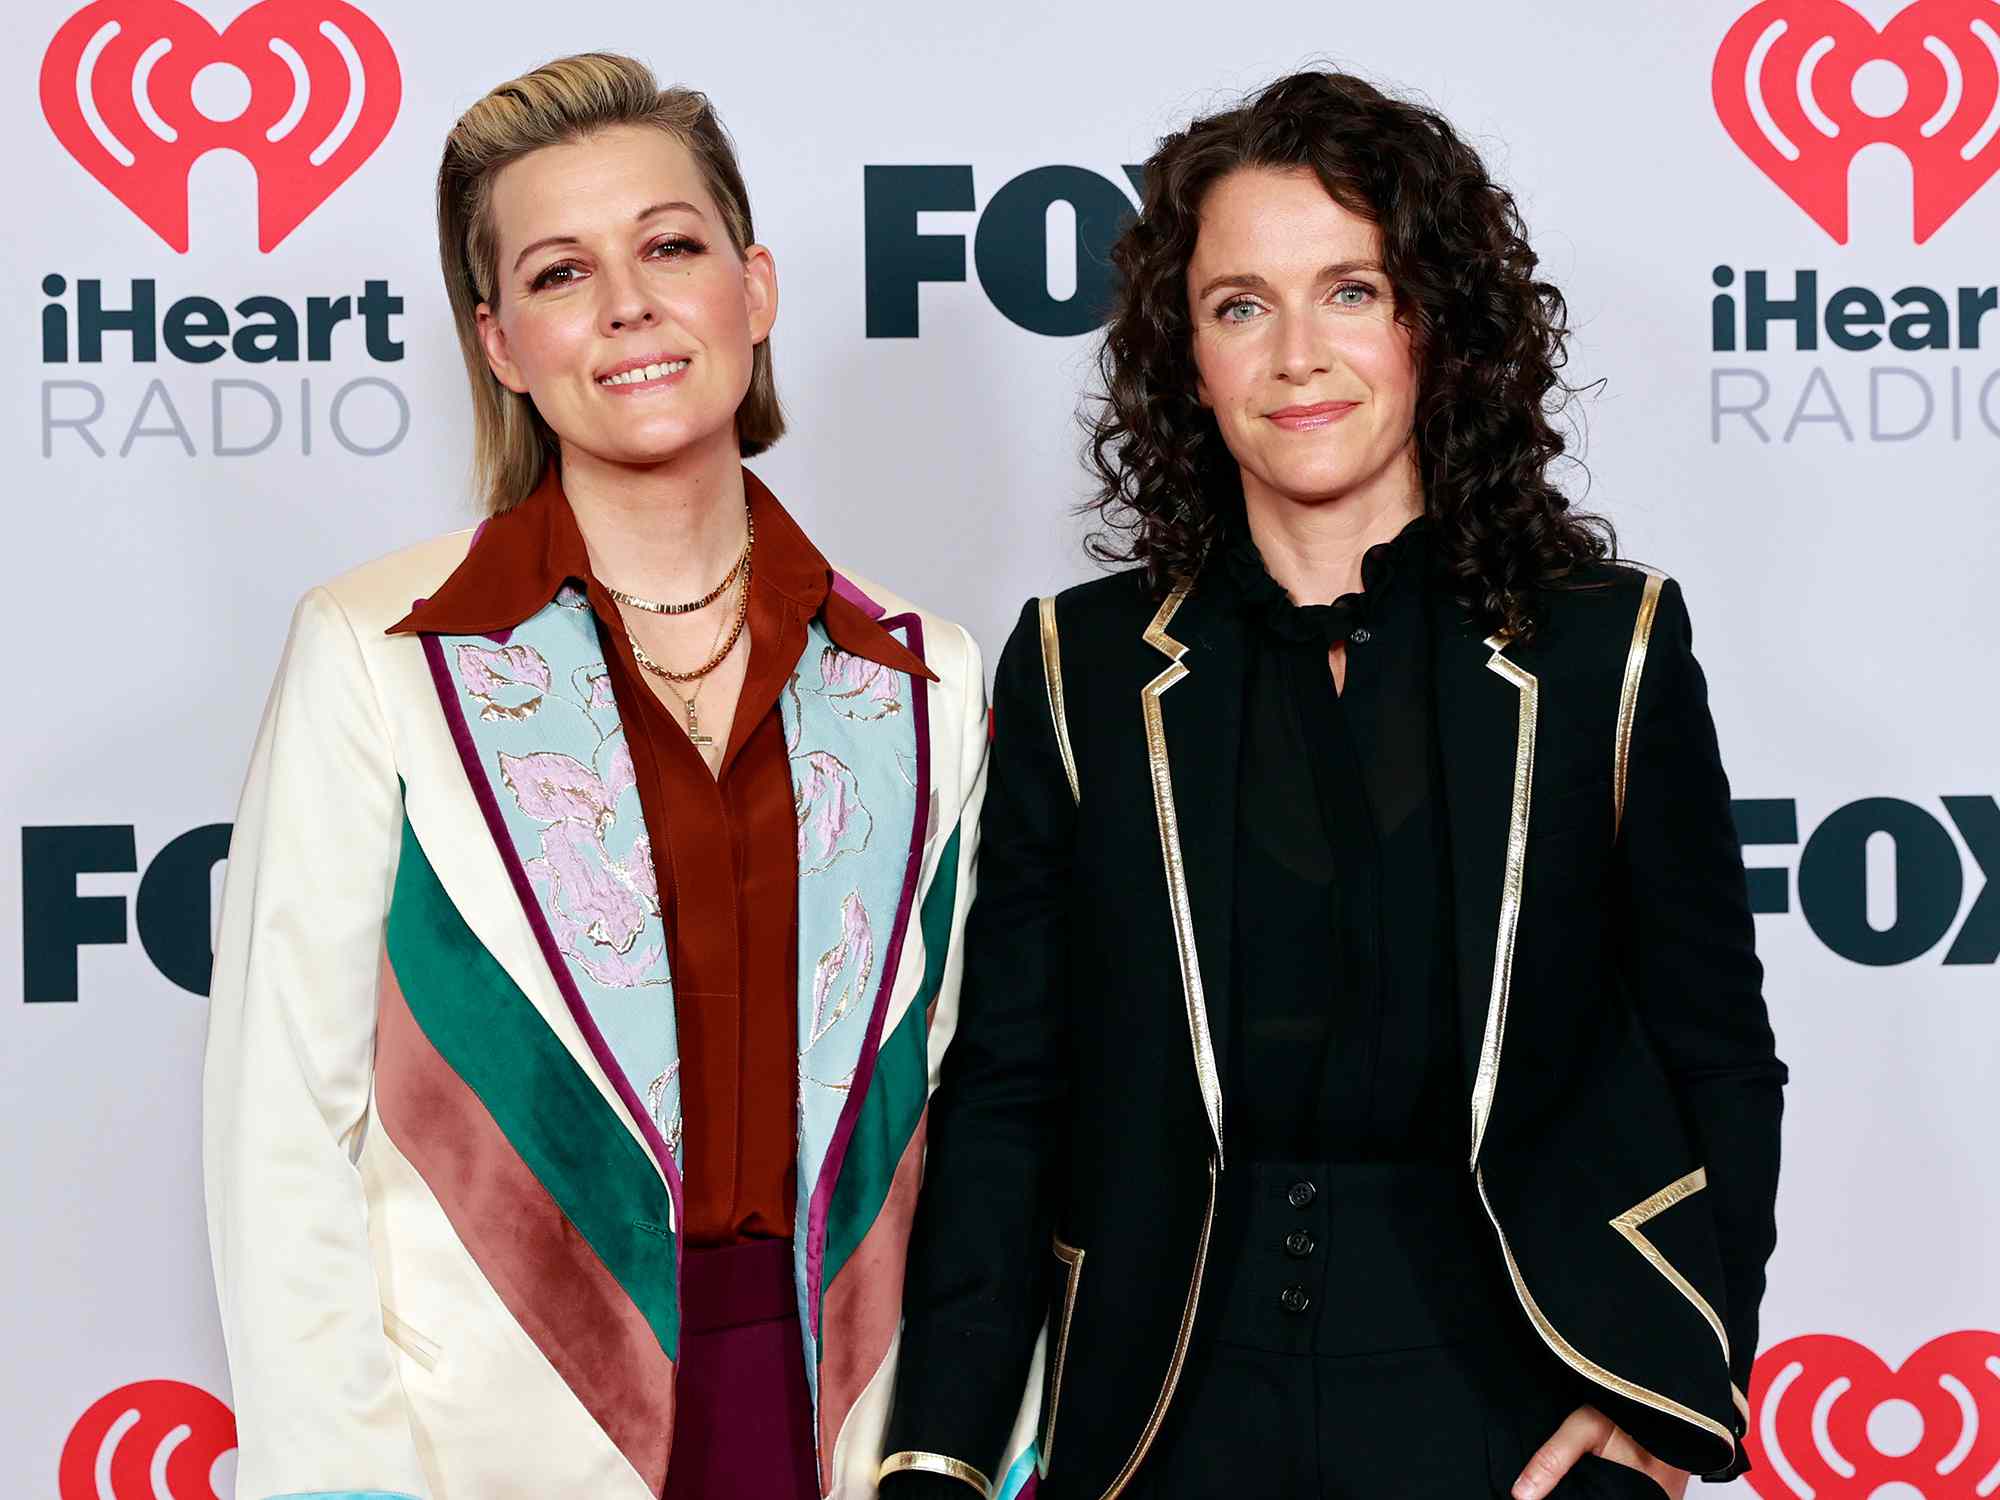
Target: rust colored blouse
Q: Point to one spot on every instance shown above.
(725, 846)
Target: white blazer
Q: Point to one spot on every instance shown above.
(443, 1190)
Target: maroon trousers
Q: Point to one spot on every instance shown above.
(743, 1411)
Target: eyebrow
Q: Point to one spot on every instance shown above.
(1250, 282)
(639, 218)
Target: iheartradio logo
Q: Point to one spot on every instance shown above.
(1832, 1421)
(157, 1440)
(138, 90)
(1803, 85)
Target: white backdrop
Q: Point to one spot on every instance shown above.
(1840, 575)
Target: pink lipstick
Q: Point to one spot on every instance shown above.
(1311, 418)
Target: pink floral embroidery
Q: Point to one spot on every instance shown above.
(619, 775)
(598, 905)
(857, 688)
(852, 959)
(833, 821)
(552, 787)
(795, 721)
(656, 1106)
(518, 671)
(601, 695)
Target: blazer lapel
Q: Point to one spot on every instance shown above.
(1193, 715)
(532, 715)
(857, 734)
(1488, 713)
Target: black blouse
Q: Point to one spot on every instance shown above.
(1342, 1035)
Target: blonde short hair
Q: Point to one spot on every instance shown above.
(561, 102)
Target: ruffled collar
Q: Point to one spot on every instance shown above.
(1384, 566)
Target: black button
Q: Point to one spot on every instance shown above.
(1298, 1244)
(1300, 1194)
(1295, 1298)
(1362, 636)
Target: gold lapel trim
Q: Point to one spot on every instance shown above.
(1052, 678)
(1574, 1358)
(1487, 1079)
(1182, 1338)
(1631, 1222)
(1207, 1075)
(1628, 695)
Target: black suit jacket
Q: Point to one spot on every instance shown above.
(1622, 1095)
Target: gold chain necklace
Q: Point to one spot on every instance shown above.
(700, 673)
(742, 564)
(687, 701)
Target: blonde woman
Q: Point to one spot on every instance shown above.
(593, 909)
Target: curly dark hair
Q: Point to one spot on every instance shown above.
(1489, 340)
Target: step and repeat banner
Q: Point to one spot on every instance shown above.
(232, 374)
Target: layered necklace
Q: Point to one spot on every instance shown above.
(739, 576)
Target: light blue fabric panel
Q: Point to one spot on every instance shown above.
(539, 706)
(850, 730)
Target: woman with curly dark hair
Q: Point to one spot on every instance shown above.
(1375, 773)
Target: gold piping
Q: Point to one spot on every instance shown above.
(1053, 679)
(1152, 1428)
(1629, 1222)
(1487, 1079)
(1578, 1361)
(1072, 1257)
(1488, 1076)
(1628, 696)
(1742, 1402)
(1206, 1073)
(933, 1463)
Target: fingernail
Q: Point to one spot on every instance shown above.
(1526, 1489)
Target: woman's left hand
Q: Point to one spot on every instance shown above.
(1588, 1430)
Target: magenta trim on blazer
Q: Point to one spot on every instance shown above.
(864, 1069)
(496, 824)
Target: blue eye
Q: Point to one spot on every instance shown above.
(1228, 311)
(1362, 294)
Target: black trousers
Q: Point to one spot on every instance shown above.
(1359, 1340)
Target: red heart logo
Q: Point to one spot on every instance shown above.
(156, 1438)
(1784, 86)
(1829, 1419)
(118, 90)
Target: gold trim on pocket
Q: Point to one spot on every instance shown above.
(1071, 1257)
(424, 1351)
(1629, 1223)
(1570, 1355)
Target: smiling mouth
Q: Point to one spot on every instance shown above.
(644, 373)
(1305, 418)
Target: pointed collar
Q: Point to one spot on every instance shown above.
(520, 559)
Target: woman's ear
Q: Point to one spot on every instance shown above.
(760, 291)
(498, 358)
